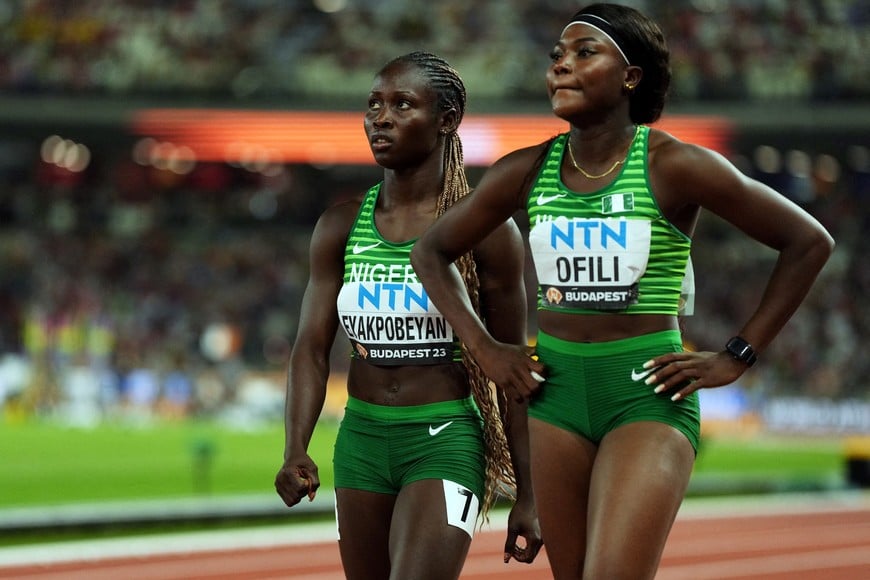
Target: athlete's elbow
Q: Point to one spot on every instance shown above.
(418, 256)
(820, 245)
(827, 243)
(424, 257)
(814, 250)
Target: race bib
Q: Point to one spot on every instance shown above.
(394, 323)
(590, 263)
(462, 506)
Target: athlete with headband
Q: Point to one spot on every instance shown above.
(612, 206)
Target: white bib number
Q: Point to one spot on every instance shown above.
(590, 263)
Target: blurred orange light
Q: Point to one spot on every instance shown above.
(337, 138)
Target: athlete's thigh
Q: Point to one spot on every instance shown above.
(431, 530)
(363, 519)
(639, 481)
(561, 469)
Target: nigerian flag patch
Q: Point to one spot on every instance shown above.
(617, 203)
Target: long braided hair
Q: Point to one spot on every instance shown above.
(450, 89)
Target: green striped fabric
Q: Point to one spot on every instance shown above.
(383, 299)
(366, 246)
(629, 197)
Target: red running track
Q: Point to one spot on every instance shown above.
(776, 538)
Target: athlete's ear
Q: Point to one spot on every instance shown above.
(449, 122)
(633, 76)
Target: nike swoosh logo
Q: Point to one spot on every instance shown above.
(357, 249)
(545, 199)
(637, 376)
(436, 430)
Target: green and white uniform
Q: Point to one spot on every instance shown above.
(390, 321)
(383, 307)
(607, 252)
(383, 449)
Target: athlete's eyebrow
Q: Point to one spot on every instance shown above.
(399, 92)
(581, 40)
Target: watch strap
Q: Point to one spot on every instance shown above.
(741, 350)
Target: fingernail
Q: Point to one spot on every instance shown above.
(676, 397)
(650, 379)
(648, 364)
(658, 389)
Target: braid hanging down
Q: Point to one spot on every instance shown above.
(499, 470)
(451, 95)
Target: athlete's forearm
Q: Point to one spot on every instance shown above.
(790, 282)
(515, 420)
(447, 290)
(306, 394)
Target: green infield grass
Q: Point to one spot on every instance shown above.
(47, 464)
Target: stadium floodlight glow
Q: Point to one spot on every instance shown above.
(65, 153)
(337, 138)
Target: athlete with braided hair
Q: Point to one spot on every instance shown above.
(425, 445)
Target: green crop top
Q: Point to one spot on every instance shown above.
(383, 308)
(609, 251)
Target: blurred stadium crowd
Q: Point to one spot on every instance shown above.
(248, 49)
(131, 291)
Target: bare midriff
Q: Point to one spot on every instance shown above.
(603, 327)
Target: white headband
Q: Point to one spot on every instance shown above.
(581, 20)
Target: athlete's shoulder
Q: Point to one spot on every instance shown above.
(665, 147)
(337, 220)
(522, 159)
(670, 156)
(342, 209)
(684, 172)
(512, 175)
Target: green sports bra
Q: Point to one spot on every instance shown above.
(382, 306)
(608, 251)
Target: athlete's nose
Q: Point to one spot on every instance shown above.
(382, 119)
(561, 66)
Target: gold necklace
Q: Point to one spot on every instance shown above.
(589, 175)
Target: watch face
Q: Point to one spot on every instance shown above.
(741, 350)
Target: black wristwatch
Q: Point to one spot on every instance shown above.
(741, 350)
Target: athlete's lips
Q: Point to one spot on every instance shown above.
(554, 88)
(380, 141)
